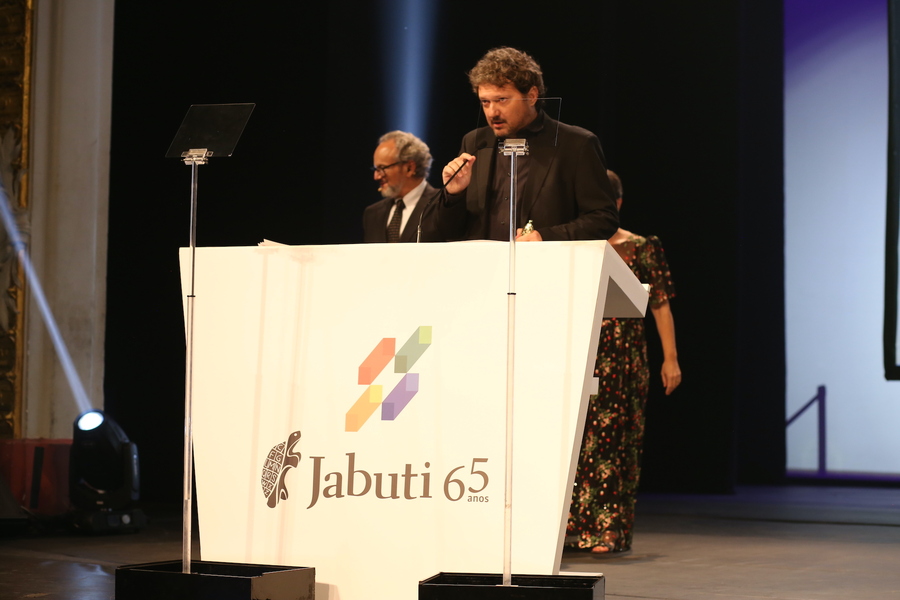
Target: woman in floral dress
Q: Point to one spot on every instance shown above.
(601, 518)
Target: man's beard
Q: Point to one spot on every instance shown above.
(390, 191)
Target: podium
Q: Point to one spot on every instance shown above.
(349, 404)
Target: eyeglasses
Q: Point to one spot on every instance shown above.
(381, 170)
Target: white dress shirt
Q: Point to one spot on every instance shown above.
(409, 201)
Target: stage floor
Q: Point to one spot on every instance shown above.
(790, 543)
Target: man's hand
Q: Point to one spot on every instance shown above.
(534, 236)
(459, 182)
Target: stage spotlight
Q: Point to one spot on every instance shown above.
(104, 478)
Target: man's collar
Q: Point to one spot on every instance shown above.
(533, 128)
(413, 195)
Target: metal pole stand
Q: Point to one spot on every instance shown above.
(216, 129)
(194, 158)
(513, 148)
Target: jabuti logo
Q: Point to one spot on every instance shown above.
(283, 457)
(280, 460)
(372, 367)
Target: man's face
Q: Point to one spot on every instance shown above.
(391, 174)
(506, 109)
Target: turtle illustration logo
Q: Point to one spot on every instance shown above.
(280, 460)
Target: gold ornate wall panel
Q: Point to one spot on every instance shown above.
(16, 17)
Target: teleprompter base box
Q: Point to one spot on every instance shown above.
(476, 586)
(214, 581)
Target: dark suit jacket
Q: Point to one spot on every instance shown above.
(567, 195)
(375, 219)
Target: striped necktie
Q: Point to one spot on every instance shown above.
(393, 228)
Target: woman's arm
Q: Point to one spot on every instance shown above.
(665, 325)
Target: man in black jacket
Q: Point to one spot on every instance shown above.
(400, 165)
(562, 185)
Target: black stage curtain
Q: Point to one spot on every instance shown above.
(686, 99)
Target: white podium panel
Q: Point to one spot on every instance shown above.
(349, 404)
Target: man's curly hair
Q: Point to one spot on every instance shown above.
(508, 65)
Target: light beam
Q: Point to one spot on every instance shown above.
(408, 27)
(9, 222)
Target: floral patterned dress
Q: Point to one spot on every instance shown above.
(606, 480)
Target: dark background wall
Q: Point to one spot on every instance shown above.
(686, 99)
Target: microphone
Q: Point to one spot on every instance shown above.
(441, 189)
(465, 162)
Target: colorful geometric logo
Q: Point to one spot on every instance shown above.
(403, 392)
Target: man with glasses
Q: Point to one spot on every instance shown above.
(400, 166)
